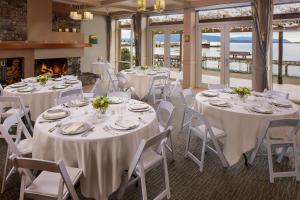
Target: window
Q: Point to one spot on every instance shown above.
(166, 19)
(126, 44)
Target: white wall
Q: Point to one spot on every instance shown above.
(97, 27)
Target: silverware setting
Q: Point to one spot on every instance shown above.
(48, 121)
(53, 128)
(89, 131)
(107, 128)
(141, 120)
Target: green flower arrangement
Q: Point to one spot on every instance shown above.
(144, 67)
(101, 103)
(242, 91)
(42, 79)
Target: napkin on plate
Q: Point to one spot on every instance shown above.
(262, 109)
(74, 127)
(52, 114)
(126, 124)
(138, 106)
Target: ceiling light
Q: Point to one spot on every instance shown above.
(159, 5)
(141, 5)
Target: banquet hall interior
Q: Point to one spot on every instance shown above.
(150, 99)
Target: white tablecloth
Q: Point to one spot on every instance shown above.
(102, 155)
(242, 127)
(142, 81)
(100, 68)
(41, 99)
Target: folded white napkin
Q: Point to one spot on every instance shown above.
(127, 124)
(74, 127)
(138, 106)
(54, 114)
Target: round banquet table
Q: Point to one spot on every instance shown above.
(102, 155)
(141, 81)
(241, 125)
(42, 98)
(100, 68)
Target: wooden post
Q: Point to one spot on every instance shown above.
(280, 53)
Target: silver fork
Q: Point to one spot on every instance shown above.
(88, 132)
(106, 128)
(53, 128)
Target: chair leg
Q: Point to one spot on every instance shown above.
(171, 147)
(202, 155)
(182, 122)
(167, 182)
(296, 162)
(254, 152)
(4, 172)
(270, 162)
(143, 184)
(187, 144)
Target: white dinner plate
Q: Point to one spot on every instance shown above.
(26, 89)
(210, 93)
(18, 85)
(71, 82)
(116, 100)
(219, 103)
(57, 79)
(281, 103)
(262, 110)
(59, 87)
(54, 114)
(78, 103)
(82, 127)
(124, 124)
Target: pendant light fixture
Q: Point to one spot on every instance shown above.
(141, 5)
(159, 5)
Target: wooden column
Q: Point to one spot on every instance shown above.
(280, 53)
(189, 46)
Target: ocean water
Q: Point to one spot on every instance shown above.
(291, 52)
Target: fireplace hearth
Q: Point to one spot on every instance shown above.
(54, 67)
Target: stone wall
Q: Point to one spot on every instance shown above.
(62, 21)
(13, 20)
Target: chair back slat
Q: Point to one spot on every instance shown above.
(165, 106)
(69, 95)
(123, 81)
(187, 96)
(35, 164)
(1, 90)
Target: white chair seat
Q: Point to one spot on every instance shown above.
(150, 158)
(200, 132)
(47, 183)
(25, 146)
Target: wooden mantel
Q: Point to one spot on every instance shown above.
(41, 45)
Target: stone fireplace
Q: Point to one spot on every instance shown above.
(11, 70)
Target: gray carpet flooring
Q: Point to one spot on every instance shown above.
(237, 182)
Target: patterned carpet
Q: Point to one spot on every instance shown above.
(237, 182)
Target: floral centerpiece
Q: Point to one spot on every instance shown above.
(144, 67)
(243, 92)
(101, 103)
(42, 79)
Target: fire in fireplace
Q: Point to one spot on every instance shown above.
(11, 70)
(51, 67)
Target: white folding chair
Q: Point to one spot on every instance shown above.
(17, 107)
(165, 116)
(56, 181)
(123, 82)
(159, 83)
(1, 90)
(69, 95)
(290, 142)
(150, 153)
(21, 146)
(216, 86)
(112, 77)
(174, 85)
(188, 98)
(119, 94)
(206, 133)
(94, 91)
